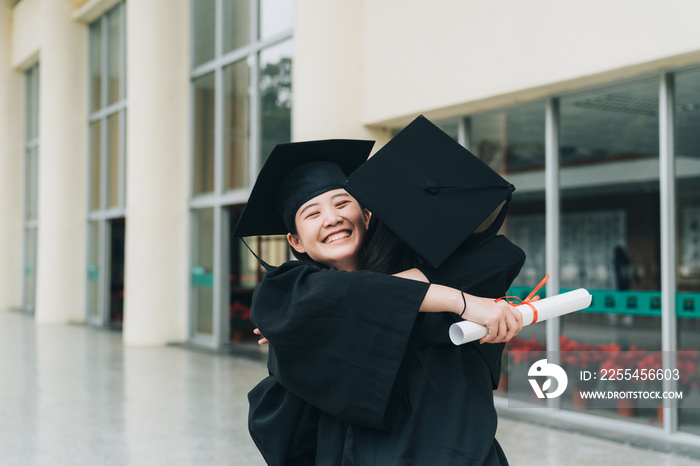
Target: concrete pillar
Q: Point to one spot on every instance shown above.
(61, 267)
(157, 170)
(11, 169)
(329, 72)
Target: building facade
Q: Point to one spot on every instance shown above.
(131, 133)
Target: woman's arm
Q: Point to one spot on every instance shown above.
(502, 320)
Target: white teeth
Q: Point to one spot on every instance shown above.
(337, 236)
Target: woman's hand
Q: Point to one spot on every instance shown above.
(262, 340)
(501, 319)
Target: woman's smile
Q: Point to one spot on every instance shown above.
(337, 236)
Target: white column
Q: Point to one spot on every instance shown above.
(61, 269)
(11, 169)
(156, 184)
(329, 72)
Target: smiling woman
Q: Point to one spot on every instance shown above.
(331, 227)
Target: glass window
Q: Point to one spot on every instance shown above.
(236, 24)
(107, 143)
(95, 152)
(687, 146)
(609, 228)
(246, 273)
(204, 22)
(510, 140)
(113, 152)
(202, 273)
(107, 53)
(237, 124)
(31, 187)
(94, 268)
(275, 96)
(204, 98)
(276, 17)
(32, 103)
(114, 68)
(451, 127)
(96, 66)
(242, 100)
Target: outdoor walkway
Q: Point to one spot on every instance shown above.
(73, 395)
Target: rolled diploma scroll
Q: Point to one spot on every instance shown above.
(565, 303)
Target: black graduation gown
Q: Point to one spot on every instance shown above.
(357, 379)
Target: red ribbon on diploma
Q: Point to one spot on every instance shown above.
(531, 298)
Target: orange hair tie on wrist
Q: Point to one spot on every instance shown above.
(531, 298)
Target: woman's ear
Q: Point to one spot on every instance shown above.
(295, 242)
(366, 215)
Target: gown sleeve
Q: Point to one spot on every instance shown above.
(337, 339)
(282, 425)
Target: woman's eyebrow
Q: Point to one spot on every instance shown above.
(340, 195)
(313, 204)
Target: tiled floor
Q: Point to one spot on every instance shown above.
(73, 395)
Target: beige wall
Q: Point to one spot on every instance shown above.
(61, 274)
(11, 169)
(390, 60)
(157, 172)
(328, 71)
(26, 37)
(445, 58)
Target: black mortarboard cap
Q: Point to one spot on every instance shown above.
(428, 189)
(294, 173)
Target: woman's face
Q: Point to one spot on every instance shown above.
(331, 228)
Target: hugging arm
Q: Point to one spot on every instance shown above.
(502, 320)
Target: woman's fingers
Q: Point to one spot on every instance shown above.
(503, 322)
(263, 340)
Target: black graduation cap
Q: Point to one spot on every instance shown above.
(314, 167)
(428, 189)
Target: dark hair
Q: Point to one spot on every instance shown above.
(385, 252)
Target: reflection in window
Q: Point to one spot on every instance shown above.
(687, 145)
(619, 122)
(246, 273)
(31, 186)
(202, 273)
(95, 144)
(609, 230)
(95, 268)
(510, 140)
(203, 24)
(113, 151)
(275, 96)
(451, 127)
(254, 42)
(96, 66)
(236, 24)
(114, 69)
(204, 134)
(236, 143)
